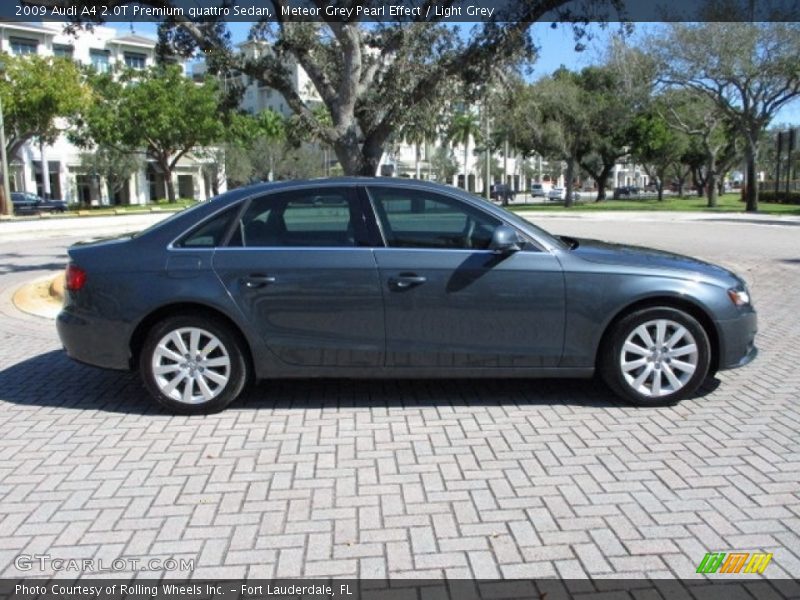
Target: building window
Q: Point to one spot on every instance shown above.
(20, 46)
(99, 59)
(62, 51)
(134, 60)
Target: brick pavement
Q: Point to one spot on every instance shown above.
(399, 478)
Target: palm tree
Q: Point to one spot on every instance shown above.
(464, 125)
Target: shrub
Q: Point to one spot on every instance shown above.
(779, 197)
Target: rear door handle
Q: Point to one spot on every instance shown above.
(257, 281)
(405, 281)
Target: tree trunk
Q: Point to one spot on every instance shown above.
(466, 149)
(711, 181)
(416, 160)
(170, 186)
(602, 181)
(751, 191)
(568, 183)
(660, 185)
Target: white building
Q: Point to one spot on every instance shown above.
(103, 47)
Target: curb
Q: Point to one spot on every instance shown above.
(41, 297)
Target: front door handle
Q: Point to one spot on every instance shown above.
(257, 281)
(405, 281)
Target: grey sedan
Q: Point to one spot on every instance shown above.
(392, 278)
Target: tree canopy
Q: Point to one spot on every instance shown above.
(158, 111)
(36, 91)
(370, 77)
(749, 70)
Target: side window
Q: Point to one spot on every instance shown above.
(211, 233)
(420, 219)
(316, 218)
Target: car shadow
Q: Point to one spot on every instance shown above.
(53, 380)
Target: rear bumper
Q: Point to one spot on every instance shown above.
(737, 341)
(97, 342)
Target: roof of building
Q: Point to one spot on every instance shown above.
(134, 40)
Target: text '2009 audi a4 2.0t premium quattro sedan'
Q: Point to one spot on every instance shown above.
(387, 278)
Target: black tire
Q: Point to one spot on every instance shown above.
(658, 363)
(235, 372)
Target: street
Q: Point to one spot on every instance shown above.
(457, 479)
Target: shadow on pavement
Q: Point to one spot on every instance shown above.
(53, 380)
(13, 268)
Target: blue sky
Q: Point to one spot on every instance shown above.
(557, 48)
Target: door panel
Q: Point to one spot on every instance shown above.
(452, 302)
(474, 309)
(295, 269)
(311, 306)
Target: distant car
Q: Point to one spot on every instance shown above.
(557, 193)
(498, 191)
(30, 204)
(398, 278)
(537, 189)
(626, 191)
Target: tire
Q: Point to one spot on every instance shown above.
(200, 386)
(641, 373)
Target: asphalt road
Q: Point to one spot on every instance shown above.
(399, 478)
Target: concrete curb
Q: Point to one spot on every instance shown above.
(41, 297)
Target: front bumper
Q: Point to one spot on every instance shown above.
(94, 341)
(737, 340)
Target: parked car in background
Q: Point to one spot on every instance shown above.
(626, 191)
(557, 193)
(499, 191)
(381, 277)
(537, 190)
(26, 203)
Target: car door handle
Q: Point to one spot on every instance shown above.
(257, 281)
(405, 281)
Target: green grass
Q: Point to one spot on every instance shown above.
(726, 203)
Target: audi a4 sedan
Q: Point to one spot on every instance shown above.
(362, 277)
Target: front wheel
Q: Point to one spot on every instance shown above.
(193, 365)
(656, 356)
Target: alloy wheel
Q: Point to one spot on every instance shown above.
(191, 365)
(658, 358)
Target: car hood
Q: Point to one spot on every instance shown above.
(651, 259)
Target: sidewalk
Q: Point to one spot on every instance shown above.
(20, 229)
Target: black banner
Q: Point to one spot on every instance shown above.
(733, 587)
(447, 11)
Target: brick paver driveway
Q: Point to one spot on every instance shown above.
(430, 478)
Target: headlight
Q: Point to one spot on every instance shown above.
(739, 297)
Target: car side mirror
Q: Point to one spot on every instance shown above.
(505, 240)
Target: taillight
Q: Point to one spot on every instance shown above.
(75, 277)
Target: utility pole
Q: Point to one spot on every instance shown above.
(778, 162)
(789, 148)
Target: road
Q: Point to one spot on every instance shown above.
(398, 478)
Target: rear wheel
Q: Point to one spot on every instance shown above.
(656, 356)
(193, 364)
